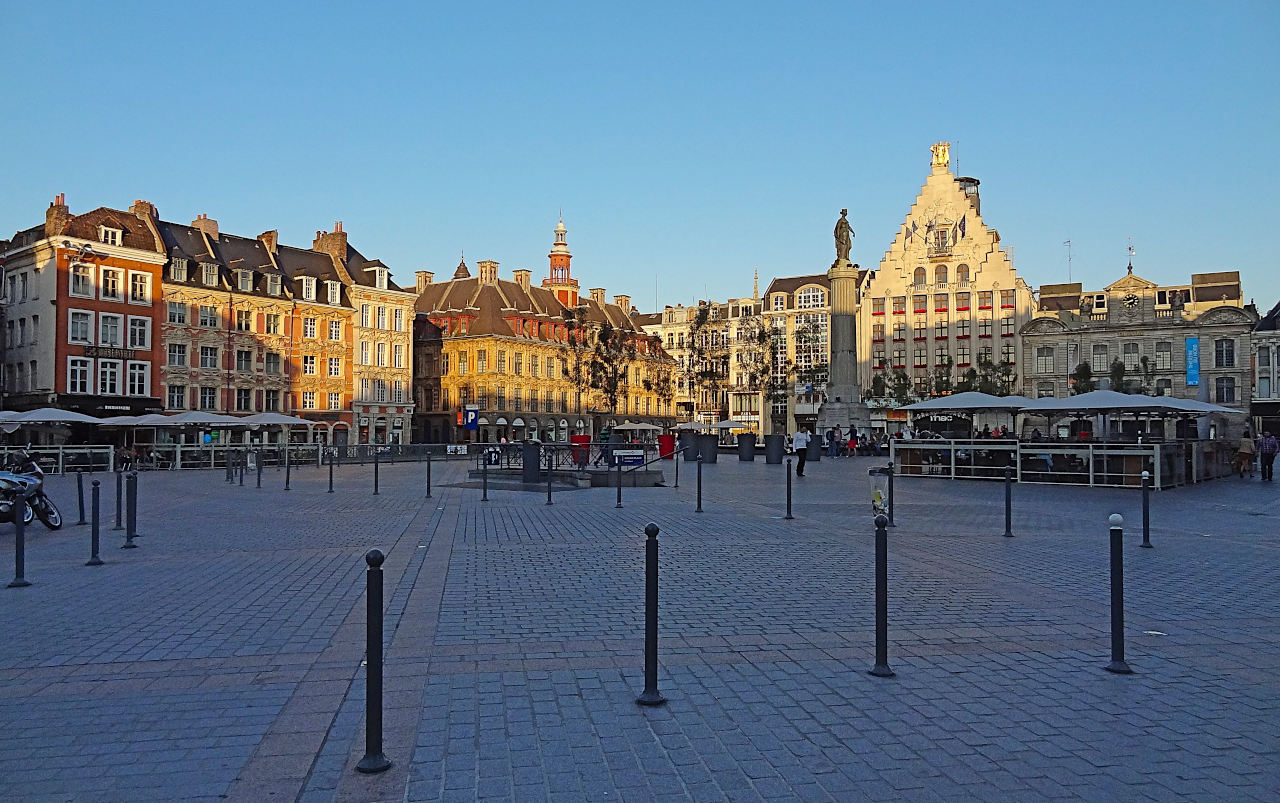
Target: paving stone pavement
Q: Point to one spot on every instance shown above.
(223, 659)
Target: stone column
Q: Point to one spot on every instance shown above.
(843, 381)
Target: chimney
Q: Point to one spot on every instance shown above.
(970, 188)
(424, 278)
(57, 217)
(333, 243)
(597, 295)
(144, 210)
(487, 269)
(207, 225)
(271, 239)
(522, 278)
(624, 302)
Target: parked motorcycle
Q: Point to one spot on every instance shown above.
(22, 487)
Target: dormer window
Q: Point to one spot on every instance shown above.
(273, 284)
(209, 274)
(380, 278)
(108, 236)
(178, 270)
(308, 288)
(335, 292)
(244, 280)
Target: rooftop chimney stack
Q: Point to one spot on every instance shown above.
(207, 225)
(522, 278)
(624, 302)
(144, 210)
(271, 239)
(57, 217)
(424, 278)
(487, 269)
(597, 295)
(333, 243)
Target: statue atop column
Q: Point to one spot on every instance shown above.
(844, 237)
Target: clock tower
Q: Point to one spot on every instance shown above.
(560, 282)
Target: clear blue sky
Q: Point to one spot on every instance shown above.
(687, 142)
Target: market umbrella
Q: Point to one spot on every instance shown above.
(729, 423)
(53, 415)
(121, 421)
(969, 401)
(200, 418)
(275, 420)
(639, 427)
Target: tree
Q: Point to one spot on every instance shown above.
(1082, 379)
(1148, 371)
(1117, 376)
(879, 388)
(659, 381)
(613, 353)
(968, 382)
(575, 353)
(940, 382)
(900, 387)
(708, 368)
(995, 379)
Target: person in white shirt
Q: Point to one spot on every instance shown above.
(801, 443)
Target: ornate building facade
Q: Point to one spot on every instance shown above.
(798, 312)
(1189, 340)
(945, 300)
(517, 354)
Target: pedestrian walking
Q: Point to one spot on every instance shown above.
(1244, 454)
(801, 443)
(1268, 447)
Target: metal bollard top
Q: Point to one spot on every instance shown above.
(96, 483)
(1146, 475)
(882, 521)
(1116, 520)
(374, 558)
(651, 530)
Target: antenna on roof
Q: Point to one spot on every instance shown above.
(1067, 243)
(1132, 251)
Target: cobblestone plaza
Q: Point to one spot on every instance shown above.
(223, 659)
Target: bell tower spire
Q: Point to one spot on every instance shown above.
(560, 280)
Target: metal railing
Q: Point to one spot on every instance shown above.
(174, 456)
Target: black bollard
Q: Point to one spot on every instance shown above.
(288, 468)
(374, 760)
(428, 474)
(549, 502)
(375, 472)
(94, 543)
(890, 506)
(881, 668)
(1117, 664)
(131, 512)
(619, 485)
(1008, 503)
(788, 517)
(80, 494)
(699, 509)
(119, 501)
(19, 547)
(677, 457)
(226, 459)
(243, 460)
(484, 476)
(257, 458)
(332, 455)
(1146, 510)
(651, 695)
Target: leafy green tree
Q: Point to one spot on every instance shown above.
(1117, 376)
(879, 388)
(968, 381)
(900, 387)
(613, 354)
(1082, 379)
(575, 353)
(708, 365)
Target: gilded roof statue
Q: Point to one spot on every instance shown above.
(941, 154)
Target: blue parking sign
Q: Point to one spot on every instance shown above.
(471, 419)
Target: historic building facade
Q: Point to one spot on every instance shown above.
(798, 312)
(1265, 347)
(945, 300)
(518, 355)
(82, 313)
(1189, 340)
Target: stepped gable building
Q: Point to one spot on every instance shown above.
(508, 349)
(1189, 340)
(82, 312)
(946, 298)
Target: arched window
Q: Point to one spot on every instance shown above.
(940, 274)
(810, 298)
(919, 277)
(962, 274)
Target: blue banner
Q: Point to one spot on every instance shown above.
(1193, 361)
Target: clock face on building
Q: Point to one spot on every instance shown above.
(1131, 301)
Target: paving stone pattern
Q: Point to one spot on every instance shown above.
(222, 659)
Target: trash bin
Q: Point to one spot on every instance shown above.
(708, 447)
(775, 447)
(815, 449)
(666, 446)
(747, 447)
(879, 490)
(689, 442)
(531, 462)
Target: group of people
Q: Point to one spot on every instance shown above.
(1264, 449)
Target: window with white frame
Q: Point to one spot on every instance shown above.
(1130, 352)
(208, 356)
(208, 317)
(398, 356)
(139, 378)
(1044, 360)
(81, 281)
(244, 320)
(335, 330)
(139, 333)
(1164, 356)
(335, 366)
(208, 275)
(273, 323)
(382, 354)
(364, 352)
(79, 326)
(110, 329)
(244, 400)
(177, 397)
(244, 280)
(308, 327)
(335, 292)
(309, 364)
(364, 315)
(273, 284)
(244, 360)
(271, 363)
(308, 288)
(308, 400)
(178, 271)
(109, 377)
(108, 236)
(380, 278)
(779, 301)
(178, 312)
(1006, 327)
(398, 318)
(208, 398)
(139, 288)
(271, 401)
(811, 297)
(112, 288)
(382, 317)
(178, 354)
(1224, 389)
(79, 375)
(335, 401)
